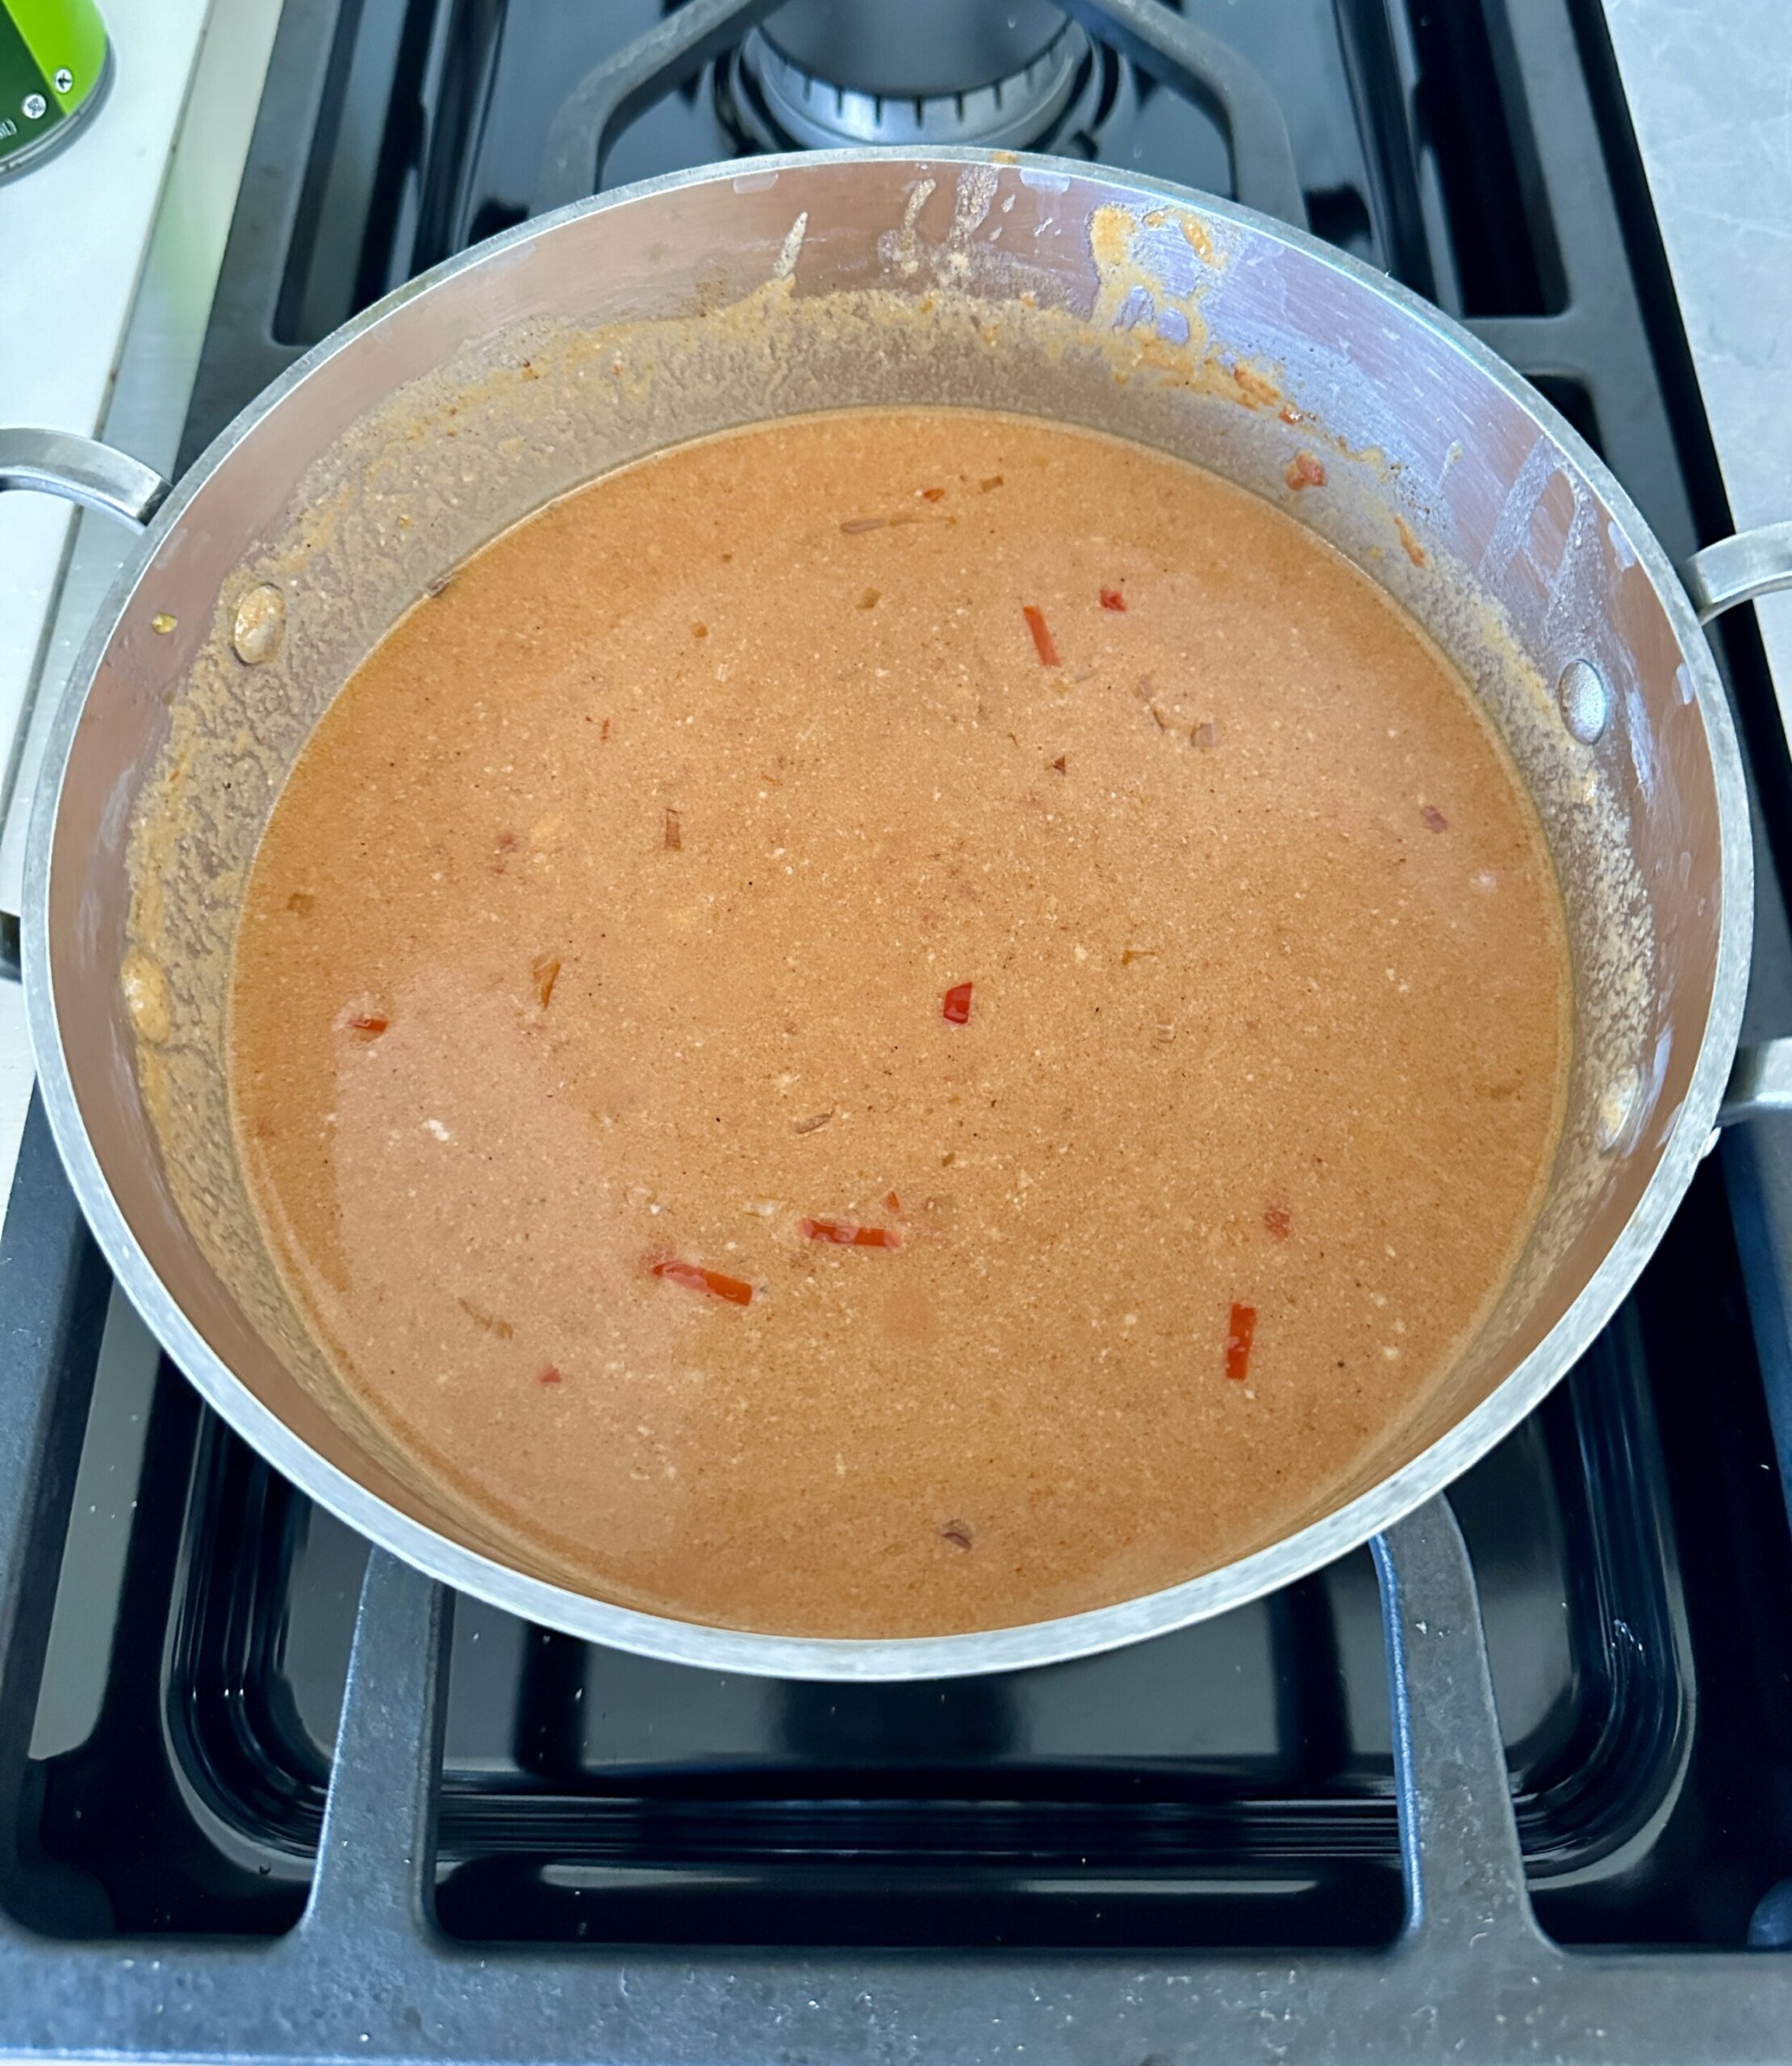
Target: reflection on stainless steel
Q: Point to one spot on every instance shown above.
(1522, 556)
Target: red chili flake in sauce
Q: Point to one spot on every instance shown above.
(1241, 1330)
(894, 1203)
(505, 842)
(1113, 600)
(369, 1023)
(956, 1008)
(1435, 819)
(695, 1277)
(1304, 471)
(549, 1376)
(933, 495)
(544, 970)
(1041, 635)
(1276, 1218)
(845, 1233)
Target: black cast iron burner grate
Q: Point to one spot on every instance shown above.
(1161, 42)
(367, 1975)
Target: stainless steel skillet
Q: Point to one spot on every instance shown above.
(735, 293)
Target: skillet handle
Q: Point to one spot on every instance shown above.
(1737, 570)
(81, 470)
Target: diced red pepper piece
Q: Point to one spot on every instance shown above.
(695, 1277)
(933, 495)
(1113, 600)
(1240, 1332)
(845, 1233)
(1041, 635)
(1277, 1220)
(1434, 818)
(957, 1007)
(1304, 471)
(369, 1022)
(549, 1376)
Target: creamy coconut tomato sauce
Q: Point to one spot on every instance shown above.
(898, 1022)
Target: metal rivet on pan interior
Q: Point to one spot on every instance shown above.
(260, 622)
(1585, 700)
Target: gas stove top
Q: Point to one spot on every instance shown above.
(264, 1796)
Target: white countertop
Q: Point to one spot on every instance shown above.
(1710, 89)
(72, 235)
(110, 253)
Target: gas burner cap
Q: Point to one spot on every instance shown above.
(1009, 113)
